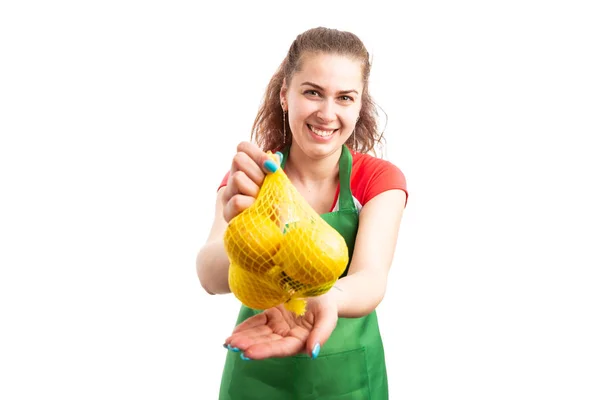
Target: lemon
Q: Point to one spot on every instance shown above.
(251, 240)
(312, 253)
(253, 291)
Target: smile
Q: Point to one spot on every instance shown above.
(322, 133)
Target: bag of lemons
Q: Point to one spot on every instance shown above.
(281, 251)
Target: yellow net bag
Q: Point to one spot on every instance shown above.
(281, 251)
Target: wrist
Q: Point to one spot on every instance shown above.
(335, 297)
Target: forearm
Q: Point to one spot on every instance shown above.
(359, 294)
(212, 266)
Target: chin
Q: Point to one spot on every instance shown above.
(320, 150)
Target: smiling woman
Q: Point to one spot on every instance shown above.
(330, 69)
(318, 114)
(322, 110)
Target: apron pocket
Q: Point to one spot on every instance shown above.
(270, 379)
(334, 376)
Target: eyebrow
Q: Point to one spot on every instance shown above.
(320, 88)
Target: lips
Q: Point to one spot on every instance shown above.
(321, 132)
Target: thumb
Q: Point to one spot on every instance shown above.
(325, 322)
(272, 161)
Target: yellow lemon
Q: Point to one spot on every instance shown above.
(251, 240)
(253, 291)
(312, 253)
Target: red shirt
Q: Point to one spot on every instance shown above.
(370, 177)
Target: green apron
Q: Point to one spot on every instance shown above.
(350, 365)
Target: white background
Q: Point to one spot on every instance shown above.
(119, 118)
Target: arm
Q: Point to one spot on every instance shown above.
(243, 184)
(361, 291)
(212, 264)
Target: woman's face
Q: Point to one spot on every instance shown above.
(323, 101)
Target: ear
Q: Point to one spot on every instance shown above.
(282, 95)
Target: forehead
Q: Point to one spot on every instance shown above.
(331, 71)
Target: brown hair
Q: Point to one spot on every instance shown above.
(268, 125)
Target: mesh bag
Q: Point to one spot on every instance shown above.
(281, 251)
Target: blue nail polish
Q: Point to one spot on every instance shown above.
(233, 348)
(280, 156)
(316, 350)
(271, 165)
(243, 357)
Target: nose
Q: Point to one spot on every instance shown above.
(326, 112)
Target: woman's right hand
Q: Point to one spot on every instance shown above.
(248, 170)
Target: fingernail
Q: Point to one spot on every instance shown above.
(243, 357)
(271, 165)
(316, 350)
(280, 156)
(233, 348)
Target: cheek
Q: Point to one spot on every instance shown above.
(296, 117)
(300, 113)
(296, 121)
(350, 119)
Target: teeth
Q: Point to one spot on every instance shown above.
(320, 132)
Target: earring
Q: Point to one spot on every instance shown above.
(354, 133)
(284, 133)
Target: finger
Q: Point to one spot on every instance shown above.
(236, 205)
(243, 342)
(251, 333)
(271, 319)
(252, 322)
(243, 162)
(262, 159)
(244, 184)
(247, 333)
(239, 183)
(325, 322)
(284, 347)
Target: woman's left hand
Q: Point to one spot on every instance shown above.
(277, 332)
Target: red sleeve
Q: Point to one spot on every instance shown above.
(387, 177)
(224, 181)
(372, 176)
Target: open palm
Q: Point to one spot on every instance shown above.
(277, 332)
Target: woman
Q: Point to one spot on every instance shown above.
(318, 113)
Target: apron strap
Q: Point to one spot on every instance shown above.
(345, 199)
(346, 202)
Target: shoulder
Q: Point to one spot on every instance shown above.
(368, 166)
(372, 176)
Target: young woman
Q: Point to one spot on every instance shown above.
(318, 113)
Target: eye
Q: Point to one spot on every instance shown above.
(346, 98)
(311, 92)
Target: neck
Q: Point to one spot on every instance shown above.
(306, 170)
